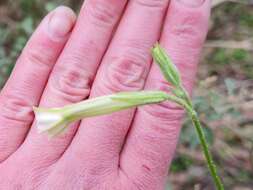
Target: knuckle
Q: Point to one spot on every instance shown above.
(125, 74)
(128, 70)
(81, 52)
(72, 84)
(102, 13)
(34, 56)
(153, 3)
(16, 108)
(190, 30)
(72, 77)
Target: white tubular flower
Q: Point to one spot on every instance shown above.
(50, 120)
(55, 120)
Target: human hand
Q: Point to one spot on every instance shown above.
(125, 150)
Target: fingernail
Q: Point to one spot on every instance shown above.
(192, 3)
(61, 22)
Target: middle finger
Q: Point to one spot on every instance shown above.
(124, 68)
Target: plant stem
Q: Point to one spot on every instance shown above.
(204, 145)
(172, 75)
(186, 102)
(195, 120)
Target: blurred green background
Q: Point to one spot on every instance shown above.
(223, 93)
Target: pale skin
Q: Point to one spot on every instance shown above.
(105, 50)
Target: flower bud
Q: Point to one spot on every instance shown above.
(167, 67)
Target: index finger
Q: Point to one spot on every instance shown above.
(29, 77)
(73, 74)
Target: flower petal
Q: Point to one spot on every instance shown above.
(46, 119)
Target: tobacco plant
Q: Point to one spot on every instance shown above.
(54, 121)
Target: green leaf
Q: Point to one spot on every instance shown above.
(27, 25)
(181, 163)
(51, 6)
(189, 137)
(230, 85)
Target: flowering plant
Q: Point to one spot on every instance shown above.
(56, 120)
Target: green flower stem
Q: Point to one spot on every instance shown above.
(204, 145)
(172, 75)
(187, 104)
(209, 159)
